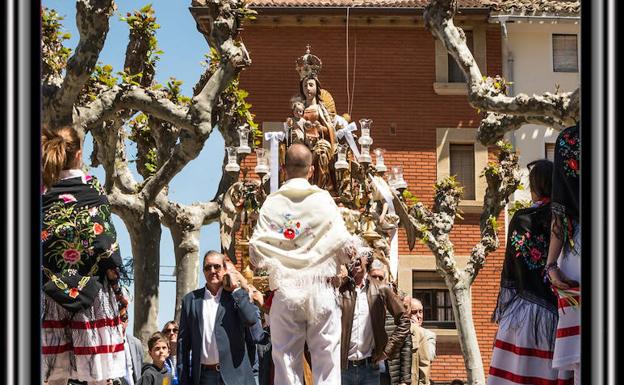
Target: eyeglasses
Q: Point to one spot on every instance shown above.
(216, 267)
(174, 330)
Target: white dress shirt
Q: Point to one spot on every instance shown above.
(361, 344)
(210, 352)
(129, 368)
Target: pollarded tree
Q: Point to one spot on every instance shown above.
(169, 129)
(502, 114)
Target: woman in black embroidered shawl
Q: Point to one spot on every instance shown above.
(563, 267)
(527, 309)
(81, 327)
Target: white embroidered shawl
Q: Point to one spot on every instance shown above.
(300, 238)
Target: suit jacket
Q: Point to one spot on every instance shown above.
(423, 352)
(234, 314)
(136, 355)
(380, 298)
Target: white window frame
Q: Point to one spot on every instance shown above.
(446, 136)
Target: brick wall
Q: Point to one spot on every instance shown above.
(394, 76)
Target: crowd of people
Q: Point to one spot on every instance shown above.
(330, 316)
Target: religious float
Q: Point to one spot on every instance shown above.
(368, 193)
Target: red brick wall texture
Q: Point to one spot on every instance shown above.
(393, 85)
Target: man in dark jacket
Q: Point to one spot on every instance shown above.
(364, 342)
(397, 369)
(211, 344)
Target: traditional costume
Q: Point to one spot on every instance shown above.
(301, 240)
(82, 336)
(565, 207)
(526, 310)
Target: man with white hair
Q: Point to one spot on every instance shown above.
(423, 344)
(301, 239)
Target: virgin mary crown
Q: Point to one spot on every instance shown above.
(308, 65)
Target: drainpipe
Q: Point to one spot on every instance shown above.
(508, 69)
(508, 75)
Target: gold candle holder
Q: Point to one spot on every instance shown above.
(243, 246)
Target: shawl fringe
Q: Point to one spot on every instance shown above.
(514, 311)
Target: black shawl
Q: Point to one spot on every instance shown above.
(528, 238)
(565, 185)
(77, 232)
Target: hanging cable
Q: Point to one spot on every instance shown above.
(347, 53)
(353, 74)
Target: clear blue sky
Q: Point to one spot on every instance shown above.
(184, 48)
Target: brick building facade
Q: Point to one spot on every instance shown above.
(402, 80)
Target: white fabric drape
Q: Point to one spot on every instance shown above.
(274, 138)
(300, 238)
(347, 132)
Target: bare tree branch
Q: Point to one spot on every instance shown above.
(494, 126)
(486, 93)
(111, 153)
(503, 178)
(92, 18)
(152, 102)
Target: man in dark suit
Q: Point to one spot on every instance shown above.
(211, 343)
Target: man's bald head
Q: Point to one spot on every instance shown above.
(298, 161)
(417, 311)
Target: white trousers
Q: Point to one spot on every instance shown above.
(292, 327)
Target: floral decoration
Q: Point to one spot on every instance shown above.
(532, 249)
(67, 198)
(569, 149)
(291, 228)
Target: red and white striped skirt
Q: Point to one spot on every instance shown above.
(85, 346)
(519, 355)
(568, 343)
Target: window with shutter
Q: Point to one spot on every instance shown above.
(565, 53)
(462, 162)
(430, 289)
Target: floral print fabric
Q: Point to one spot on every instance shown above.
(77, 234)
(569, 149)
(531, 248)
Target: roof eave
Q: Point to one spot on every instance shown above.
(341, 9)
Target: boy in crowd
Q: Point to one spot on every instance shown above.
(156, 373)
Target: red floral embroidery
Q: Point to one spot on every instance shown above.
(71, 256)
(73, 292)
(573, 164)
(289, 233)
(44, 235)
(98, 228)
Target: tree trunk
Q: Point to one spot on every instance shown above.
(145, 234)
(462, 310)
(186, 244)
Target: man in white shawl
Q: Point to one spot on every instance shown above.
(301, 239)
